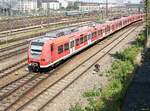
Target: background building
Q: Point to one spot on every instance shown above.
(7, 7)
(50, 4)
(88, 6)
(27, 5)
(45, 7)
(64, 3)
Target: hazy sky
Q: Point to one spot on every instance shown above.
(132, 1)
(135, 1)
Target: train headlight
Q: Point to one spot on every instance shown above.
(43, 60)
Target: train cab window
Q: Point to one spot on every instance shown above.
(81, 40)
(66, 46)
(60, 34)
(37, 43)
(72, 44)
(60, 49)
(85, 39)
(77, 42)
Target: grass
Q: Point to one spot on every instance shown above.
(92, 93)
(77, 107)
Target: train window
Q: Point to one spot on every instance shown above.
(66, 46)
(77, 42)
(85, 39)
(60, 49)
(100, 32)
(93, 34)
(120, 23)
(52, 48)
(107, 29)
(81, 40)
(72, 44)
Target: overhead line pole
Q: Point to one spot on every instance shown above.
(146, 10)
(106, 8)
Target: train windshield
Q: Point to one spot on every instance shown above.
(36, 49)
(37, 43)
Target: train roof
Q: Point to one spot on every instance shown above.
(55, 34)
(81, 31)
(61, 32)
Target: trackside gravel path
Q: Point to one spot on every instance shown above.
(138, 94)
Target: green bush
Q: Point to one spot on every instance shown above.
(129, 54)
(140, 40)
(92, 93)
(77, 107)
(112, 96)
(120, 69)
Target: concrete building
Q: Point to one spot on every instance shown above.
(88, 6)
(27, 5)
(7, 7)
(50, 4)
(64, 3)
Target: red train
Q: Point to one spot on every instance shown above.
(56, 46)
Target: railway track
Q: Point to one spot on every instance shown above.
(27, 29)
(10, 36)
(58, 86)
(21, 23)
(10, 52)
(13, 46)
(9, 88)
(13, 67)
(13, 53)
(22, 89)
(12, 24)
(5, 19)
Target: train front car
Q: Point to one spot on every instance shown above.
(37, 55)
(40, 49)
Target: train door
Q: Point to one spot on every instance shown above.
(72, 46)
(51, 55)
(89, 38)
(103, 31)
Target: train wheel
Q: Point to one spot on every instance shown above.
(29, 68)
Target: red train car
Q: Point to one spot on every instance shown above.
(56, 46)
